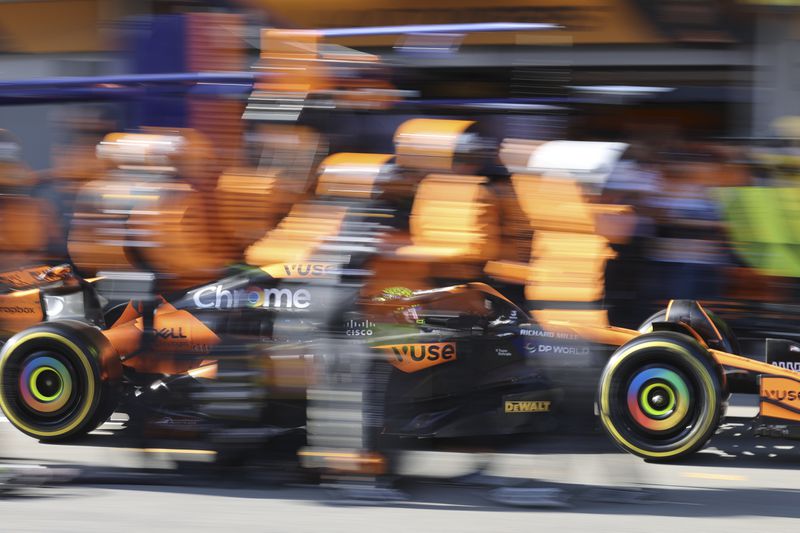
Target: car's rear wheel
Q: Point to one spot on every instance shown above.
(660, 396)
(58, 380)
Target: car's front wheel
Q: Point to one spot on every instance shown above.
(660, 396)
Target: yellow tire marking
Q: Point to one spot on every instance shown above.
(606, 394)
(90, 386)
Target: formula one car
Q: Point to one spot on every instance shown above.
(462, 360)
(477, 364)
(71, 361)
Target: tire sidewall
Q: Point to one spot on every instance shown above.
(672, 349)
(82, 354)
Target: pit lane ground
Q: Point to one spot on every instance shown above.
(739, 483)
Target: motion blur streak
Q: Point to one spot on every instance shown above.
(452, 255)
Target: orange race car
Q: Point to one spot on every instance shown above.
(661, 393)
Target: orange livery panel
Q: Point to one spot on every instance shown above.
(20, 310)
(415, 357)
(176, 331)
(780, 397)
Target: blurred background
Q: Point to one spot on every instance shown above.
(589, 159)
(701, 91)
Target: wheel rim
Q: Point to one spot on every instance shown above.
(658, 399)
(45, 385)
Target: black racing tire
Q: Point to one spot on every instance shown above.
(59, 380)
(660, 396)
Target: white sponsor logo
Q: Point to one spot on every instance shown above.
(536, 333)
(549, 334)
(563, 350)
(359, 328)
(215, 297)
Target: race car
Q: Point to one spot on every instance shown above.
(65, 370)
(462, 360)
(479, 365)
